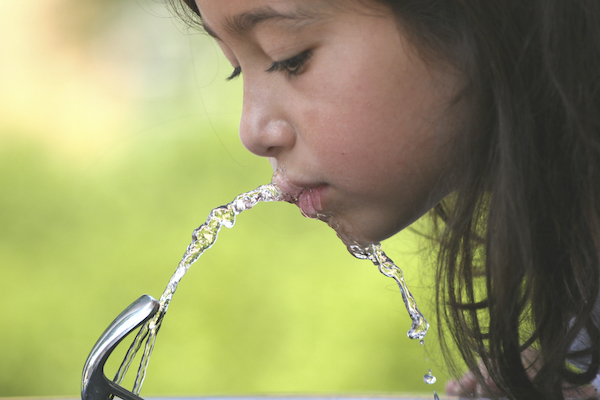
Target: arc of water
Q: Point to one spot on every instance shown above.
(206, 235)
(203, 238)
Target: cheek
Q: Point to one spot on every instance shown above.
(361, 104)
(371, 111)
(361, 128)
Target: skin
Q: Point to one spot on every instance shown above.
(361, 132)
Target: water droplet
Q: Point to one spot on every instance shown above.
(429, 378)
(422, 341)
(435, 396)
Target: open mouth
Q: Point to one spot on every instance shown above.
(309, 202)
(306, 197)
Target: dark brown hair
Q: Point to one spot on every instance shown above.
(519, 246)
(519, 242)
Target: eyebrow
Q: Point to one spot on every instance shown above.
(245, 22)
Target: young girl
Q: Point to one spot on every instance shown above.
(487, 113)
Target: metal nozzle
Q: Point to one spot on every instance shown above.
(94, 384)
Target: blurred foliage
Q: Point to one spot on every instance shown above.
(92, 221)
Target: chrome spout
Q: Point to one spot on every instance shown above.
(94, 384)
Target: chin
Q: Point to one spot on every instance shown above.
(363, 231)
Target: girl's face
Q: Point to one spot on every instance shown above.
(356, 123)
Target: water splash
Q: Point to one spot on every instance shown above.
(386, 266)
(202, 239)
(371, 252)
(428, 378)
(435, 396)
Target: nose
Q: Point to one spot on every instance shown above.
(265, 128)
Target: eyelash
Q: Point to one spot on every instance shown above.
(291, 67)
(236, 72)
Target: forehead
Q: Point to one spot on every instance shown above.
(238, 17)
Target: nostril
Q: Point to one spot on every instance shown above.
(272, 151)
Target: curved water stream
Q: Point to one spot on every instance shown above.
(206, 235)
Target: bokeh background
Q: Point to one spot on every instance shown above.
(118, 134)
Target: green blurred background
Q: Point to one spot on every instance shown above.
(118, 134)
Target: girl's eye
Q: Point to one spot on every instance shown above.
(292, 66)
(237, 71)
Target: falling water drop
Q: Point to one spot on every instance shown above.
(428, 378)
(388, 268)
(422, 342)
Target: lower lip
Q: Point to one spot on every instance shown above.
(310, 202)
